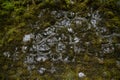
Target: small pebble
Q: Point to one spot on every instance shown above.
(81, 74)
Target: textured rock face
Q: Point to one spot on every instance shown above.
(67, 44)
(71, 35)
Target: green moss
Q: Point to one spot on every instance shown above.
(86, 57)
(79, 7)
(27, 15)
(110, 62)
(69, 75)
(99, 78)
(47, 24)
(8, 5)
